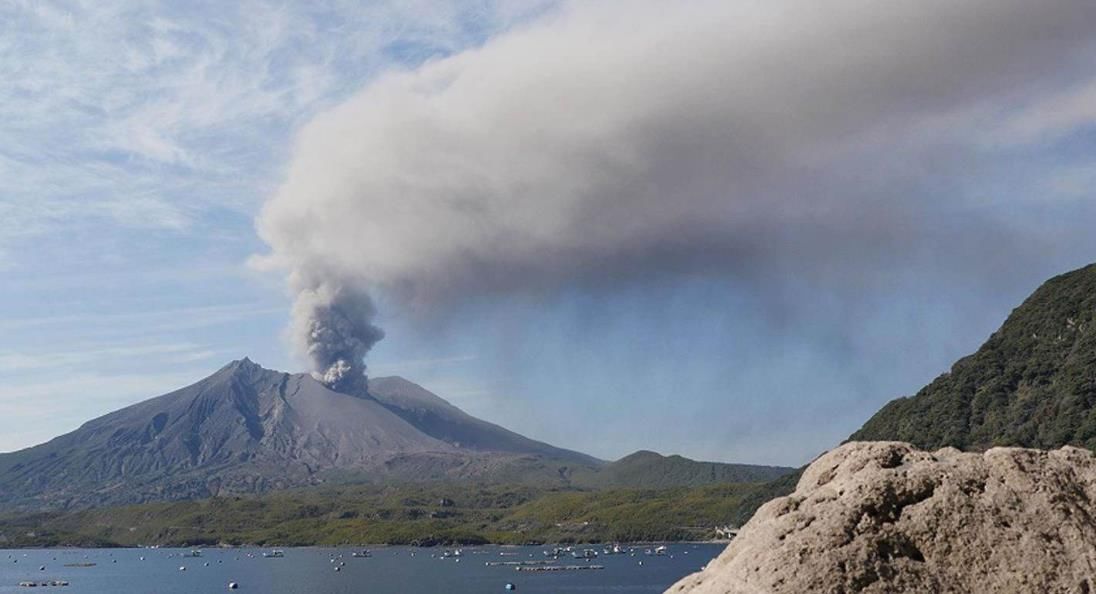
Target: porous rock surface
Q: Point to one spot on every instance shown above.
(887, 517)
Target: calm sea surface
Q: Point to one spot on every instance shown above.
(391, 570)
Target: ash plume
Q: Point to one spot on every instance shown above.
(333, 328)
(798, 142)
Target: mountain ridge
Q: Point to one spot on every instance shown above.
(243, 429)
(652, 470)
(246, 429)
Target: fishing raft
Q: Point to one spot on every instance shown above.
(558, 567)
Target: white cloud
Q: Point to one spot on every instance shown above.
(68, 360)
(149, 321)
(150, 115)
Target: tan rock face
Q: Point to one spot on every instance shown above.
(886, 517)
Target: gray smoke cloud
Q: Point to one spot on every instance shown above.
(333, 327)
(608, 143)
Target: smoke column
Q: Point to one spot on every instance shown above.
(333, 327)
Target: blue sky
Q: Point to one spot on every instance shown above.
(140, 143)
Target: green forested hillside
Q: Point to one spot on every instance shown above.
(650, 470)
(1033, 383)
(424, 515)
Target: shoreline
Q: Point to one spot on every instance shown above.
(723, 542)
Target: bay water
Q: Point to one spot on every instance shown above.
(312, 570)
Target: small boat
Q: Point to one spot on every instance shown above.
(194, 553)
(584, 554)
(361, 554)
(275, 554)
(660, 550)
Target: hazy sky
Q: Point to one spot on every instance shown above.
(726, 229)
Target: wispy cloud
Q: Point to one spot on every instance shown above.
(148, 321)
(148, 115)
(11, 361)
(46, 408)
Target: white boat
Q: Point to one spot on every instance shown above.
(275, 554)
(361, 554)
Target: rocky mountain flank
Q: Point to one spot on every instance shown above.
(246, 429)
(887, 517)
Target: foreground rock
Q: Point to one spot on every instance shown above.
(886, 517)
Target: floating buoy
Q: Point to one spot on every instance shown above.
(233, 585)
(182, 568)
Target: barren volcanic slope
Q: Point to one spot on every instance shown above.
(248, 429)
(437, 418)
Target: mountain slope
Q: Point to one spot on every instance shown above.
(443, 421)
(1032, 384)
(248, 429)
(650, 470)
